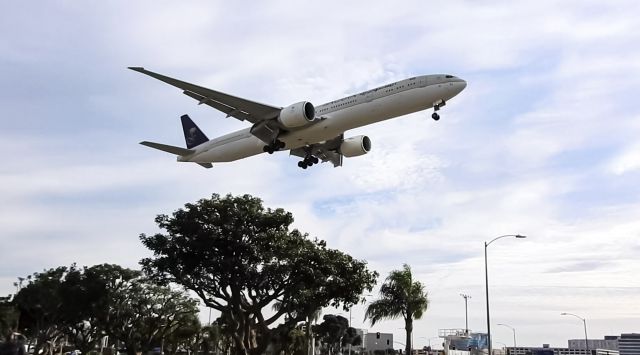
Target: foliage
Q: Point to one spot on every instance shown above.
(144, 314)
(400, 296)
(8, 316)
(39, 304)
(334, 332)
(84, 304)
(240, 258)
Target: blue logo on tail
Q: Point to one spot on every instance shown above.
(193, 136)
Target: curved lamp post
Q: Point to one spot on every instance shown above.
(514, 332)
(486, 277)
(584, 322)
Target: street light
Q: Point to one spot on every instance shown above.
(466, 315)
(514, 332)
(486, 278)
(429, 339)
(584, 322)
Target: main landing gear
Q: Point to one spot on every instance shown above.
(436, 108)
(274, 146)
(308, 161)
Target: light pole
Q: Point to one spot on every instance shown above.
(349, 327)
(514, 332)
(429, 339)
(486, 278)
(584, 322)
(466, 314)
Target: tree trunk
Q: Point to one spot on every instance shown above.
(408, 326)
(131, 349)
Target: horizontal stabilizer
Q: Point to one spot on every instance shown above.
(169, 148)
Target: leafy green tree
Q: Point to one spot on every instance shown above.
(8, 316)
(83, 304)
(39, 303)
(144, 315)
(400, 296)
(335, 333)
(240, 258)
(187, 335)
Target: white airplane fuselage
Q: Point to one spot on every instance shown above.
(336, 117)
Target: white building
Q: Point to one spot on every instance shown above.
(377, 341)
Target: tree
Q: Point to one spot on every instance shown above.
(39, 304)
(84, 304)
(400, 296)
(240, 258)
(144, 315)
(8, 316)
(335, 333)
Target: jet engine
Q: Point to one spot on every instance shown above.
(354, 146)
(297, 115)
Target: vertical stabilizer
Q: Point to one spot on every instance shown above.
(193, 136)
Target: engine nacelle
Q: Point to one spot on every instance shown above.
(354, 146)
(297, 115)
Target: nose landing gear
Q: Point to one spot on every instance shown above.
(436, 107)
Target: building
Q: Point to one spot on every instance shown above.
(546, 350)
(377, 341)
(610, 342)
(463, 342)
(629, 344)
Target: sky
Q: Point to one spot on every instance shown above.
(543, 142)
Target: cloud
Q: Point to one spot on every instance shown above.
(626, 162)
(542, 142)
(581, 266)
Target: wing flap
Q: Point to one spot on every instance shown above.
(228, 110)
(255, 111)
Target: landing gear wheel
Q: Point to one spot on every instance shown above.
(280, 144)
(315, 160)
(435, 116)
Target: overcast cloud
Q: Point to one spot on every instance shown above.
(543, 142)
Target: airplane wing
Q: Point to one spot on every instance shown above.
(232, 106)
(326, 152)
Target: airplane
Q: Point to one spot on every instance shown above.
(315, 134)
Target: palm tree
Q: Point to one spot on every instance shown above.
(400, 296)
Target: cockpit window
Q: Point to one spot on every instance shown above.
(448, 76)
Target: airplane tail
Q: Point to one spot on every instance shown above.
(193, 136)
